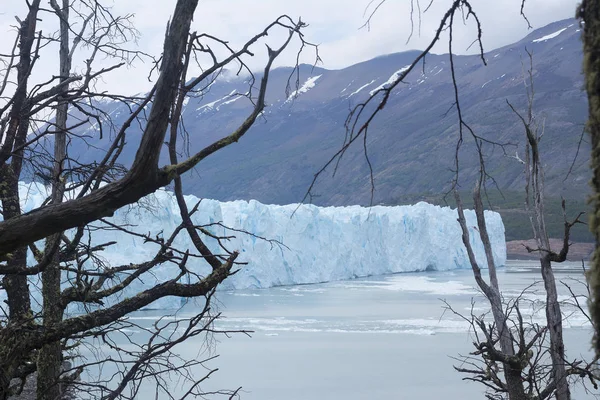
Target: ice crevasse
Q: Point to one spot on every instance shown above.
(321, 243)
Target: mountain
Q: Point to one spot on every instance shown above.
(412, 142)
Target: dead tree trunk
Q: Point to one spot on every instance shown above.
(16, 286)
(512, 365)
(555, 328)
(35, 342)
(10, 165)
(49, 363)
(534, 202)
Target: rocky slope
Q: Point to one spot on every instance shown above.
(411, 144)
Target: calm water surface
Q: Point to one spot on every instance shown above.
(382, 337)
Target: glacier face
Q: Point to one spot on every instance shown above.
(334, 243)
(321, 244)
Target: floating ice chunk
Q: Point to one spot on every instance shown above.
(414, 283)
(413, 326)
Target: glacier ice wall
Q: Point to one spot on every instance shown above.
(335, 243)
(323, 243)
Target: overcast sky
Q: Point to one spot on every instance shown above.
(334, 25)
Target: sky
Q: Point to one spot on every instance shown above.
(335, 25)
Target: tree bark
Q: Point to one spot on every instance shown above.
(49, 363)
(11, 164)
(38, 344)
(555, 328)
(16, 286)
(512, 370)
(144, 177)
(589, 13)
(534, 203)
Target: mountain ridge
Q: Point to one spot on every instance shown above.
(412, 141)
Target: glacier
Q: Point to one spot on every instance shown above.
(322, 244)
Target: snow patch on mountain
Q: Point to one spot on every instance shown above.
(347, 86)
(395, 76)
(550, 36)
(230, 98)
(235, 98)
(361, 88)
(309, 84)
(208, 106)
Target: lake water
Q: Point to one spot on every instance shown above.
(384, 337)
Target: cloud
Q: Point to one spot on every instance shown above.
(334, 25)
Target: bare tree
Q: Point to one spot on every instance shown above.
(38, 121)
(362, 115)
(534, 190)
(525, 352)
(522, 346)
(531, 343)
(512, 365)
(545, 377)
(507, 349)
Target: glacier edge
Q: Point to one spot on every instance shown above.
(323, 243)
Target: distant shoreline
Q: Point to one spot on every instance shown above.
(515, 249)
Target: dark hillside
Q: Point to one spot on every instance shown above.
(412, 143)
